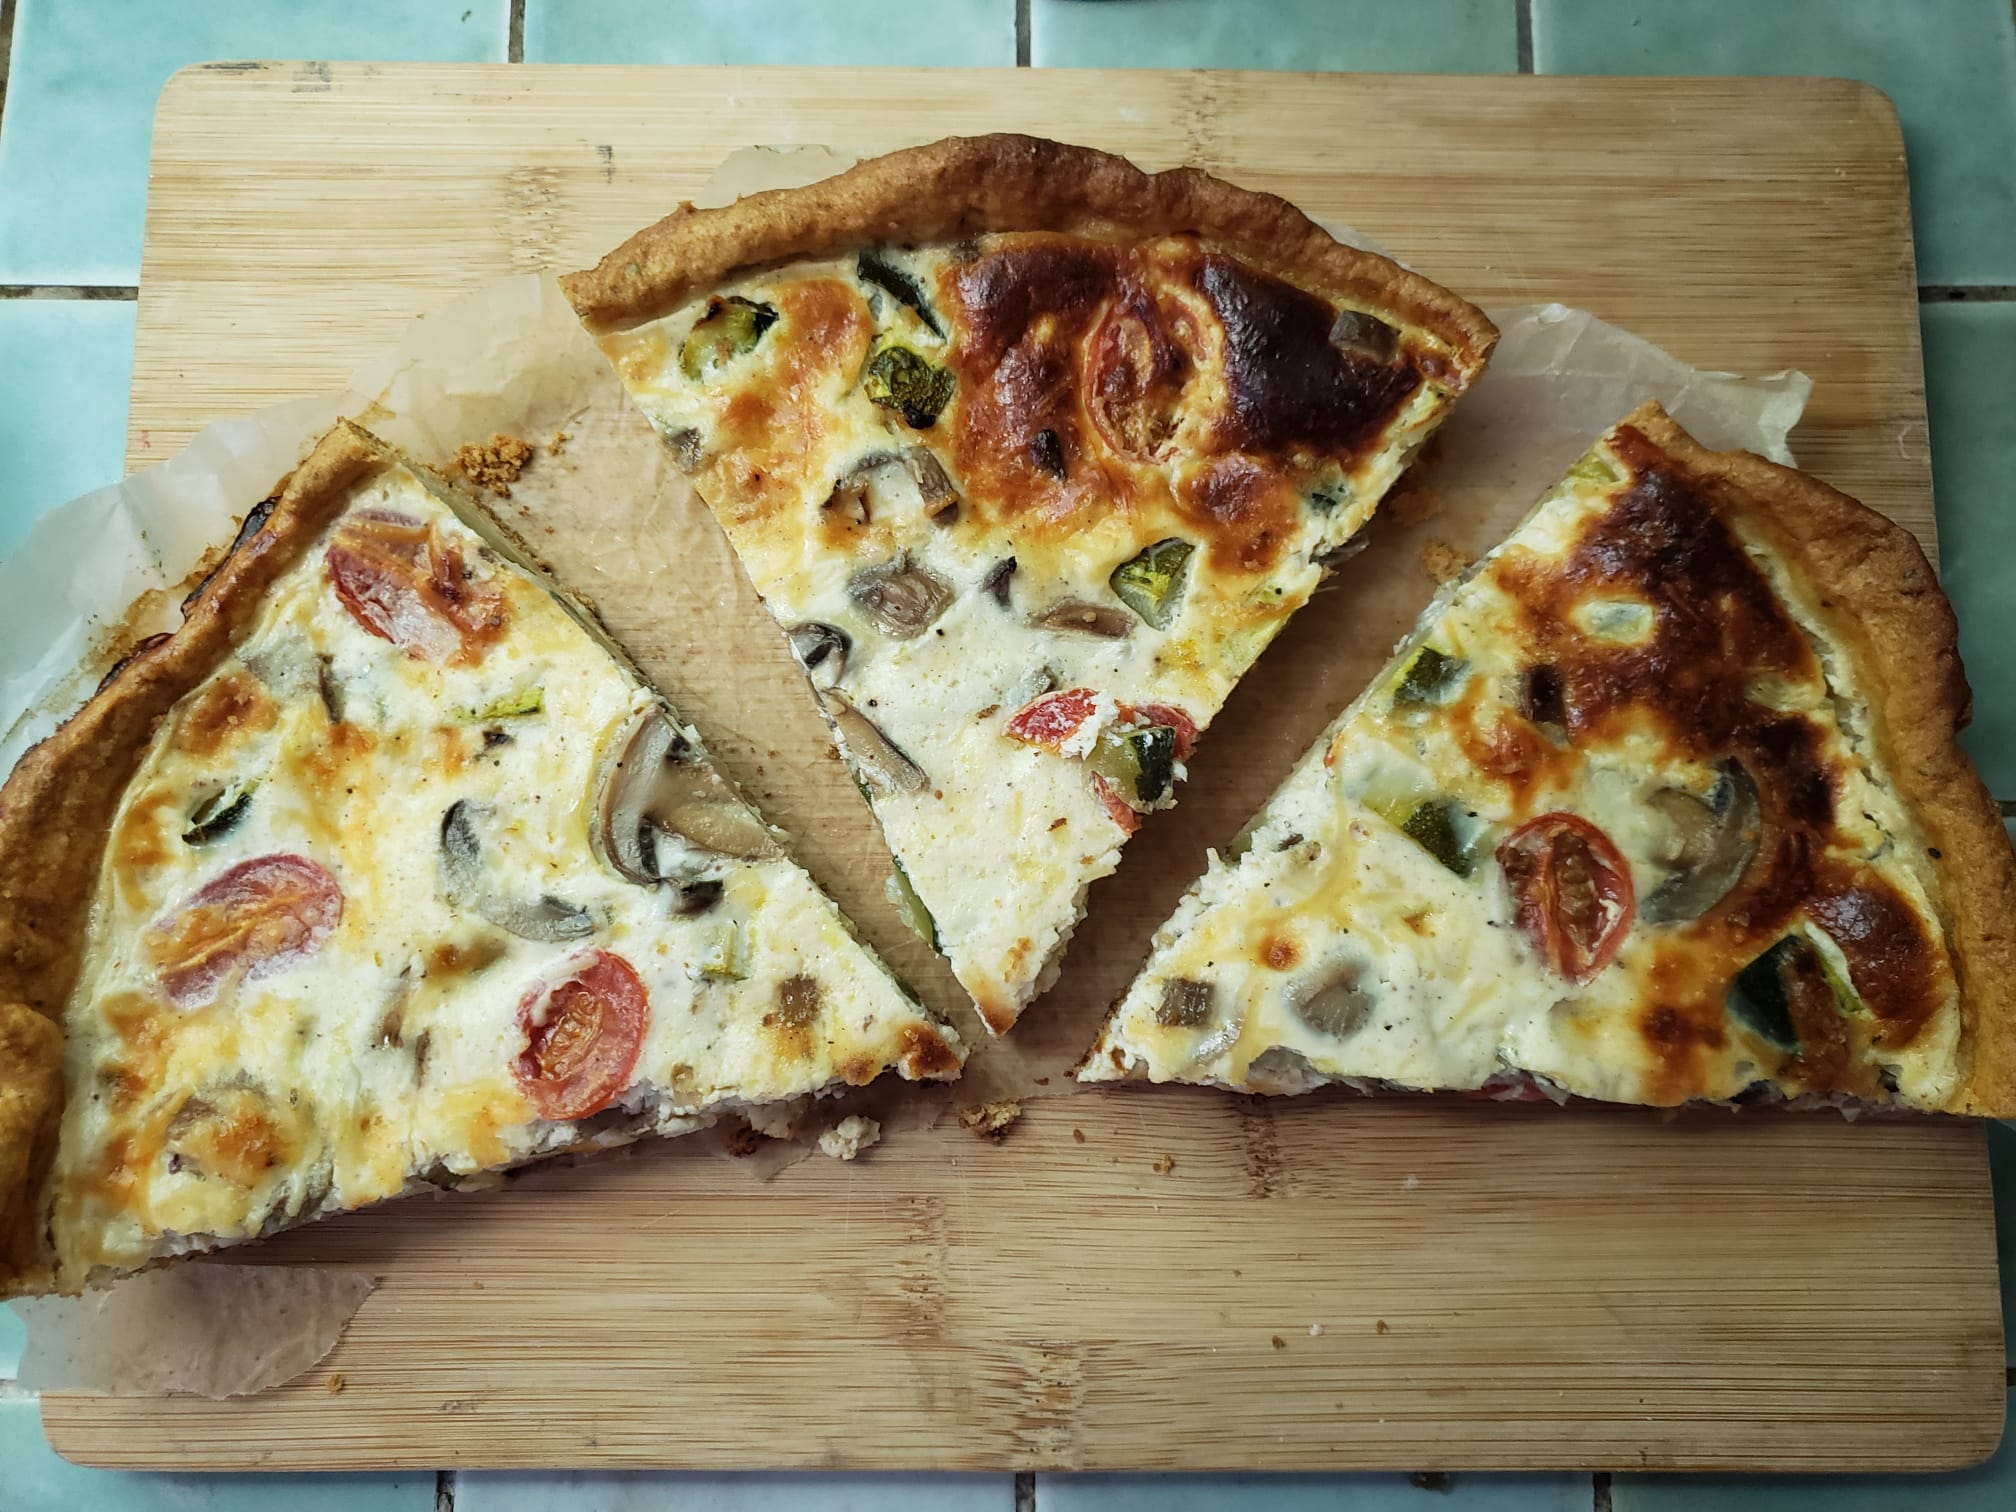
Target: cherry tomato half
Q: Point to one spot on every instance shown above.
(1054, 718)
(406, 582)
(1571, 892)
(582, 1034)
(249, 922)
(1117, 808)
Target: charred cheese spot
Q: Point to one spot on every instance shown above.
(222, 713)
(1279, 952)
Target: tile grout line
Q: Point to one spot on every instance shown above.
(1522, 32)
(444, 1491)
(1023, 27)
(1025, 1480)
(69, 291)
(6, 47)
(514, 46)
(1965, 293)
(1599, 1491)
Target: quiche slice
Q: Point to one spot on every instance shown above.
(1661, 802)
(385, 869)
(1030, 453)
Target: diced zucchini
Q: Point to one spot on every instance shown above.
(1593, 467)
(909, 907)
(871, 267)
(730, 327)
(898, 379)
(1431, 824)
(1762, 995)
(1150, 583)
(1429, 677)
(1140, 764)
(1184, 1005)
(725, 955)
(525, 701)
(220, 813)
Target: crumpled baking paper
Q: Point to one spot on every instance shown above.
(603, 506)
(200, 1330)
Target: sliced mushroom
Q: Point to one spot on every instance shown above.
(657, 798)
(1710, 844)
(1084, 618)
(874, 753)
(1334, 1003)
(546, 918)
(885, 482)
(1364, 336)
(934, 488)
(999, 576)
(901, 597)
(219, 814)
(1185, 1004)
(821, 650)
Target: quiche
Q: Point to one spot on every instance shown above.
(1030, 453)
(1661, 802)
(384, 870)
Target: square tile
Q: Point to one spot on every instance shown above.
(1989, 1487)
(695, 1491)
(13, 1335)
(1950, 65)
(1970, 394)
(1312, 1493)
(33, 1478)
(943, 33)
(1423, 36)
(83, 82)
(65, 367)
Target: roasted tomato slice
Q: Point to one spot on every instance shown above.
(1571, 892)
(259, 917)
(406, 582)
(1054, 718)
(1134, 385)
(1117, 808)
(582, 1034)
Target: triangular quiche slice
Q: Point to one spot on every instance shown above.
(1661, 802)
(385, 869)
(1031, 454)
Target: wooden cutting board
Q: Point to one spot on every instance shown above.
(1326, 1282)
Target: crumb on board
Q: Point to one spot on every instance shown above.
(1410, 1183)
(1379, 1327)
(1078, 1136)
(1443, 562)
(1164, 1164)
(1277, 1341)
(1413, 506)
(558, 444)
(494, 464)
(744, 1140)
(337, 1383)
(1315, 1330)
(850, 1137)
(990, 1120)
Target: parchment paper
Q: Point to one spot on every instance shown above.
(617, 523)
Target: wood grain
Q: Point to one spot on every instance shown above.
(1495, 1286)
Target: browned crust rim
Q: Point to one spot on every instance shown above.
(1881, 604)
(963, 185)
(56, 810)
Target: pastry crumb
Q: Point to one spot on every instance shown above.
(1379, 1327)
(1078, 1136)
(1164, 1164)
(777, 1120)
(1443, 562)
(1315, 1330)
(337, 1383)
(1277, 1341)
(1413, 506)
(850, 1137)
(494, 464)
(744, 1141)
(990, 1121)
(559, 443)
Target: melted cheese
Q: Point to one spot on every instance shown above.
(1445, 989)
(384, 1057)
(1001, 839)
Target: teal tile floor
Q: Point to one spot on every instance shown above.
(73, 153)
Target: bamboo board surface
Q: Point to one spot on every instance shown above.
(1317, 1283)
